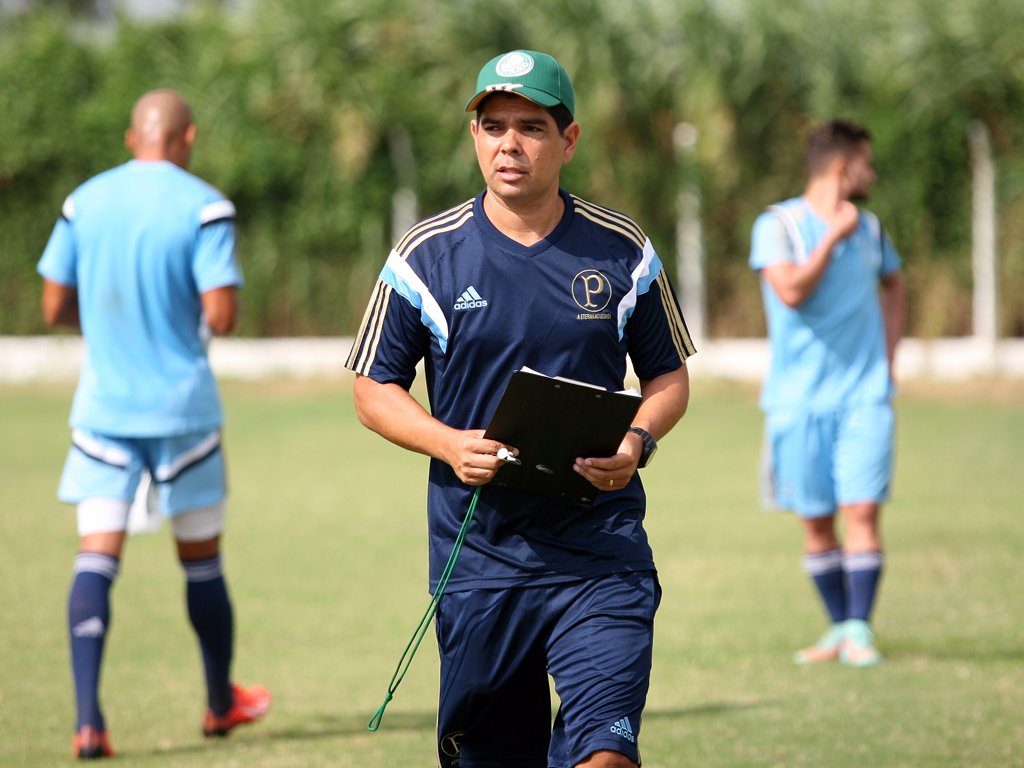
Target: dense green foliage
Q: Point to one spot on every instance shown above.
(312, 115)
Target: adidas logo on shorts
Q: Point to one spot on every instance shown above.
(470, 299)
(624, 729)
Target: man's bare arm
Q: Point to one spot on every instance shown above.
(390, 411)
(60, 304)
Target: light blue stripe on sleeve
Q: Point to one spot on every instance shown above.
(399, 275)
(644, 275)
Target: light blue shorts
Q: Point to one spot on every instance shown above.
(187, 470)
(818, 462)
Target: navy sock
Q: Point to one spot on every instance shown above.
(88, 624)
(863, 573)
(826, 570)
(209, 609)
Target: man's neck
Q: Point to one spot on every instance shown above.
(527, 224)
(823, 195)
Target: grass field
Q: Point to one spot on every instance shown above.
(326, 557)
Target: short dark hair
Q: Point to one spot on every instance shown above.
(562, 115)
(559, 113)
(836, 137)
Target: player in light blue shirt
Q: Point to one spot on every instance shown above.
(142, 259)
(140, 243)
(834, 302)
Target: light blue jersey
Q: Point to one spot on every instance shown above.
(830, 351)
(141, 242)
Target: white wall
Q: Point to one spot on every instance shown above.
(58, 358)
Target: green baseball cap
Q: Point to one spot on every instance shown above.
(532, 75)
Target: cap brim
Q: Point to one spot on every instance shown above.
(543, 98)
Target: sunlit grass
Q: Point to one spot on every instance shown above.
(326, 559)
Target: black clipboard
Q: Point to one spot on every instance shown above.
(552, 421)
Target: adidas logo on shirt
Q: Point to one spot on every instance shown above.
(624, 729)
(470, 299)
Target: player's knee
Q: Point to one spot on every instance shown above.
(863, 516)
(820, 533)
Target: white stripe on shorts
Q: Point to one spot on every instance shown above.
(108, 454)
(201, 450)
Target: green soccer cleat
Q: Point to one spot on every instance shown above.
(826, 649)
(859, 650)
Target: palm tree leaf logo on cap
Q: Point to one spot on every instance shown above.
(514, 64)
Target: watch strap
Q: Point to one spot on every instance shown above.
(650, 445)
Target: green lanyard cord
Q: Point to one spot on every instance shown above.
(421, 629)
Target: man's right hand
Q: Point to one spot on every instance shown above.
(473, 457)
(844, 220)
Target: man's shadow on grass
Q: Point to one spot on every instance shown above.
(351, 725)
(334, 726)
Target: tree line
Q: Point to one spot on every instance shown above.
(315, 117)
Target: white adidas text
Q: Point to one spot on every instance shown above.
(624, 729)
(470, 299)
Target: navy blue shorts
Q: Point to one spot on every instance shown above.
(497, 647)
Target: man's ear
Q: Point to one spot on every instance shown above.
(572, 138)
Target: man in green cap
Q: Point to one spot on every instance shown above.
(528, 275)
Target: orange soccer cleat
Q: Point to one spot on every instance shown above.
(90, 744)
(250, 704)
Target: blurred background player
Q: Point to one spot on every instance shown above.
(142, 257)
(834, 302)
(526, 274)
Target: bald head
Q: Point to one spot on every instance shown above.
(161, 128)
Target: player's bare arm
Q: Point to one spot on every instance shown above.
(60, 304)
(220, 307)
(893, 298)
(794, 283)
(394, 414)
(665, 399)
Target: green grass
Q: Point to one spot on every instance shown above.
(326, 556)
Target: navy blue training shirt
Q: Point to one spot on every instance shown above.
(475, 306)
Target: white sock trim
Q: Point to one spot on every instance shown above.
(863, 561)
(97, 562)
(823, 562)
(202, 570)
